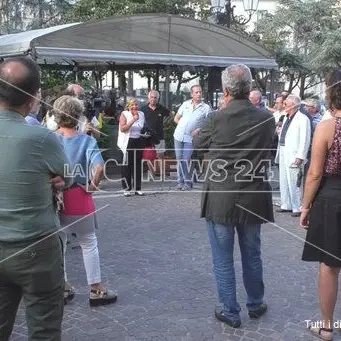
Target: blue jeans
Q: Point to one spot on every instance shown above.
(183, 154)
(222, 243)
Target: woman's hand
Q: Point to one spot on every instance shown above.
(57, 182)
(304, 218)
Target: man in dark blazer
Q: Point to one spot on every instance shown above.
(237, 193)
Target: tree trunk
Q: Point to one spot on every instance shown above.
(180, 75)
(149, 82)
(302, 85)
(122, 82)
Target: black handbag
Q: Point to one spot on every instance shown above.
(150, 136)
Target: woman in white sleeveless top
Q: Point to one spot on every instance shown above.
(131, 144)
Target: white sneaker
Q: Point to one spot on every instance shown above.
(127, 193)
(139, 193)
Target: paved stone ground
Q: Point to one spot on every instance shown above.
(155, 253)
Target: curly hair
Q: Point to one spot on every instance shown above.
(333, 90)
(67, 111)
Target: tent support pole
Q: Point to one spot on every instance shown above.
(167, 85)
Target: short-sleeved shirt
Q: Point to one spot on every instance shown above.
(83, 154)
(29, 156)
(192, 117)
(154, 118)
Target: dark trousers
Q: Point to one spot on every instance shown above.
(132, 171)
(37, 276)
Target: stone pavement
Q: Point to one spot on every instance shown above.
(155, 253)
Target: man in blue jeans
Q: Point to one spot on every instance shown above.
(237, 194)
(190, 118)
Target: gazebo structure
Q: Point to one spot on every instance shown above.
(137, 42)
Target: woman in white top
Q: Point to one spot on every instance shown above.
(131, 144)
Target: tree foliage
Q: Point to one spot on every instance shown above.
(298, 34)
(98, 9)
(22, 15)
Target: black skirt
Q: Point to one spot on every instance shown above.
(323, 240)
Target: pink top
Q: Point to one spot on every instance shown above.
(333, 160)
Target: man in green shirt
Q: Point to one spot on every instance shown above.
(31, 165)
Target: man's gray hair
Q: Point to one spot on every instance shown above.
(312, 102)
(294, 99)
(154, 92)
(237, 79)
(67, 111)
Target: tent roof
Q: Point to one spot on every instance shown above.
(145, 39)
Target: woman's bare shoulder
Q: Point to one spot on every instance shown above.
(326, 124)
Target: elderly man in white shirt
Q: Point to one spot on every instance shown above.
(190, 118)
(294, 142)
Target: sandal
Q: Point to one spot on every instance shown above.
(69, 292)
(322, 333)
(98, 297)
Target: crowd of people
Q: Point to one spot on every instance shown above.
(41, 203)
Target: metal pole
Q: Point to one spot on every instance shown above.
(167, 87)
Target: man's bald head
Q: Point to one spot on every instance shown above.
(255, 97)
(19, 81)
(75, 90)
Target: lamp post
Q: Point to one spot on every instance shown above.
(223, 12)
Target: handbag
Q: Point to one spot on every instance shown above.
(149, 153)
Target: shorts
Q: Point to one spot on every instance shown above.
(160, 148)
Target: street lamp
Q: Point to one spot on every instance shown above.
(224, 12)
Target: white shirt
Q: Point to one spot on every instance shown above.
(82, 122)
(192, 117)
(277, 115)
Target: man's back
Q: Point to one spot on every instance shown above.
(30, 155)
(239, 139)
(241, 134)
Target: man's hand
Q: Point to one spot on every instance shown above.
(298, 162)
(58, 182)
(195, 132)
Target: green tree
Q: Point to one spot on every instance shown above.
(296, 34)
(98, 9)
(22, 15)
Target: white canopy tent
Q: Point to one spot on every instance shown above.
(147, 39)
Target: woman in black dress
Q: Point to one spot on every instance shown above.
(321, 208)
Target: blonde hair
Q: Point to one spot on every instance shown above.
(130, 102)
